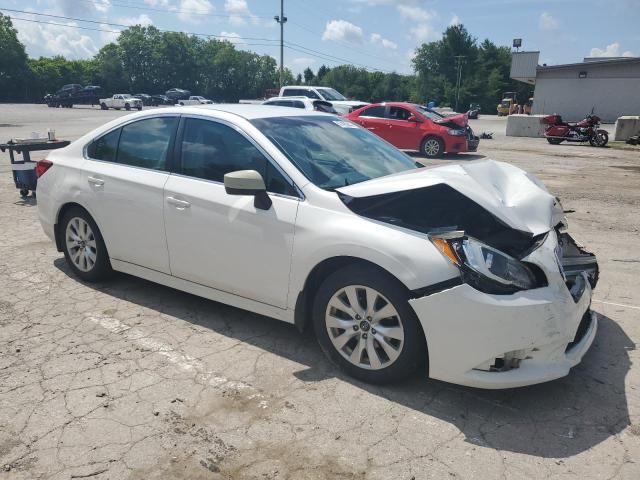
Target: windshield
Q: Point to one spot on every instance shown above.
(330, 94)
(430, 114)
(333, 152)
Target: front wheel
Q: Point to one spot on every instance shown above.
(127, 106)
(139, 108)
(432, 147)
(83, 246)
(600, 139)
(103, 106)
(365, 325)
(555, 141)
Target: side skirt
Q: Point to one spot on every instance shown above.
(203, 291)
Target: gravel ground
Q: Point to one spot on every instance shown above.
(128, 379)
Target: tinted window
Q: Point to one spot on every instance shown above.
(297, 104)
(292, 92)
(211, 149)
(398, 113)
(146, 143)
(377, 112)
(104, 148)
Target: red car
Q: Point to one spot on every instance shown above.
(409, 126)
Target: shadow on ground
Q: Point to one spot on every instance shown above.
(557, 419)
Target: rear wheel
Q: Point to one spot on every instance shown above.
(555, 141)
(127, 106)
(139, 108)
(83, 246)
(432, 147)
(600, 139)
(365, 325)
(103, 106)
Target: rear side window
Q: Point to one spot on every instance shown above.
(146, 143)
(211, 149)
(298, 104)
(105, 147)
(377, 112)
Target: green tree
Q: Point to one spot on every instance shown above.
(308, 76)
(13, 62)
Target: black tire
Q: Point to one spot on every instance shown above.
(139, 108)
(604, 139)
(413, 353)
(103, 106)
(127, 106)
(102, 267)
(432, 147)
(555, 141)
(24, 192)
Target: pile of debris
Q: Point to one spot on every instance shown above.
(634, 140)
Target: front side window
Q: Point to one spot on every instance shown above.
(376, 112)
(211, 149)
(105, 147)
(146, 143)
(333, 152)
(331, 94)
(399, 113)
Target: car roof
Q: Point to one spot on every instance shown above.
(292, 97)
(246, 111)
(392, 104)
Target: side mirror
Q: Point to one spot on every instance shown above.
(248, 182)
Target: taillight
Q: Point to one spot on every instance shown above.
(42, 166)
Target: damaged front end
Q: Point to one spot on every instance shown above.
(519, 313)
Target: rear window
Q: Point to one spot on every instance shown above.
(377, 112)
(146, 143)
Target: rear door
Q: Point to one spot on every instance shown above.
(400, 131)
(373, 119)
(123, 178)
(223, 241)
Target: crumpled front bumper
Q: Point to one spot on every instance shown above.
(502, 341)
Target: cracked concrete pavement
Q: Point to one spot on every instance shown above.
(128, 379)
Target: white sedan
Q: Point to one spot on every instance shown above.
(464, 271)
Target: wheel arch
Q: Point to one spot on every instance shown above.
(61, 212)
(304, 300)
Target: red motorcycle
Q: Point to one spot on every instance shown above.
(585, 130)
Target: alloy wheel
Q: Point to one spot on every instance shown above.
(431, 147)
(81, 244)
(364, 327)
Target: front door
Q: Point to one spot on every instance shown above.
(123, 183)
(223, 241)
(401, 132)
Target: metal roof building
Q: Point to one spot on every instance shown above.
(611, 86)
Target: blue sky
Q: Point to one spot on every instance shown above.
(377, 34)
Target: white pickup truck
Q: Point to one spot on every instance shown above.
(195, 100)
(121, 100)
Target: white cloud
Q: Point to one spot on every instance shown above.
(157, 3)
(142, 19)
(378, 39)
(342, 30)
(193, 10)
(414, 13)
(75, 8)
(548, 22)
(43, 39)
(612, 50)
(109, 34)
(232, 37)
(455, 20)
(422, 32)
(239, 11)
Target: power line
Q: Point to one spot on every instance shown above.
(66, 25)
(330, 57)
(127, 26)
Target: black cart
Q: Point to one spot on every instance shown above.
(24, 173)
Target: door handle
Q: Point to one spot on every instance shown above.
(180, 204)
(98, 182)
(371, 128)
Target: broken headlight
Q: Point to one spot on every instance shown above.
(483, 267)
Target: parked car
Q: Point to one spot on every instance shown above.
(410, 126)
(175, 94)
(74, 94)
(121, 100)
(339, 101)
(195, 100)
(464, 271)
(302, 102)
(157, 100)
(146, 99)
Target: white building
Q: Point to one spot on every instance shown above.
(609, 86)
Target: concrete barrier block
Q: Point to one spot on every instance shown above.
(626, 127)
(525, 126)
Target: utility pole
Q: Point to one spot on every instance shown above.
(281, 19)
(459, 59)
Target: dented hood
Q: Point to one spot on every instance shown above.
(513, 196)
(461, 120)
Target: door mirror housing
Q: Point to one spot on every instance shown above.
(248, 182)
